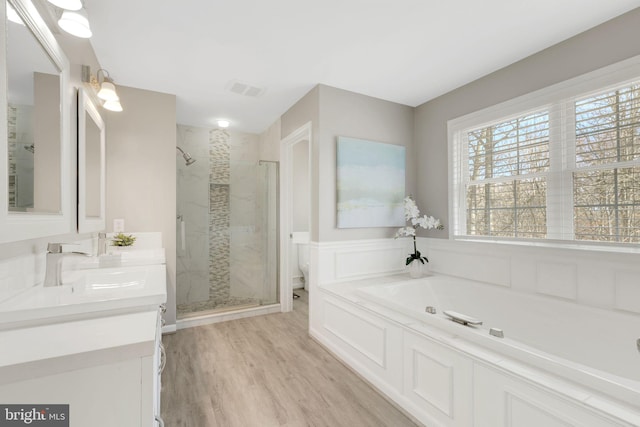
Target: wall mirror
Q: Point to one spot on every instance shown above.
(35, 196)
(91, 165)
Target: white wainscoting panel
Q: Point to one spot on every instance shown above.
(627, 291)
(505, 401)
(475, 266)
(597, 278)
(360, 259)
(437, 381)
(523, 413)
(432, 380)
(352, 264)
(557, 279)
(364, 335)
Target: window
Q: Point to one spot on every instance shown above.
(506, 191)
(606, 183)
(555, 165)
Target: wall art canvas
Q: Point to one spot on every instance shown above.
(370, 181)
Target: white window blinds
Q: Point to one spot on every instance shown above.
(606, 183)
(568, 170)
(506, 188)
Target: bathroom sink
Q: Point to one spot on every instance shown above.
(87, 293)
(126, 257)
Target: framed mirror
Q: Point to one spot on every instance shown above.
(35, 193)
(91, 165)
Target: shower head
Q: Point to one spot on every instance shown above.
(188, 160)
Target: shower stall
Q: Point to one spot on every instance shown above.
(227, 224)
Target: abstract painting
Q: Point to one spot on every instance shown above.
(370, 181)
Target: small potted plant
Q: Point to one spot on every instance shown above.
(121, 240)
(415, 261)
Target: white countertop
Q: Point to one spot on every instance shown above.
(87, 293)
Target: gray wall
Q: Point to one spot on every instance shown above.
(141, 171)
(344, 113)
(336, 112)
(603, 45)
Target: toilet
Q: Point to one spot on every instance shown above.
(301, 240)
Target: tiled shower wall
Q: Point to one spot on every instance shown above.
(219, 198)
(12, 116)
(219, 215)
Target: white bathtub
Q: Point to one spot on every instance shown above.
(593, 347)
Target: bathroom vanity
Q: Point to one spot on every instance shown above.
(93, 343)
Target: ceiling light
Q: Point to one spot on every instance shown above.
(13, 16)
(76, 23)
(223, 124)
(67, 4)
(112, 105)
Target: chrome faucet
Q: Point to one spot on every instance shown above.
(53, 274)
(103, 243)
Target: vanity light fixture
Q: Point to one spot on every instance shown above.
(67, 4)
(76, 23)
(223, 124)
(112, 105)
(107, 90)
(103, 87)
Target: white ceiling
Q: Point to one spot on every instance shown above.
(406, 51)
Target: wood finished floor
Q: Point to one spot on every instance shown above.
(265, 371)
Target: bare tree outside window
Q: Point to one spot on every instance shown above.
(606, 184)
(506, 194)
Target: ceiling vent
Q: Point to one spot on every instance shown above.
(244, 89)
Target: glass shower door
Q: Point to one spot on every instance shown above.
(232, 233)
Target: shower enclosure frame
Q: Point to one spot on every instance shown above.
(270, 299)
(277, 233)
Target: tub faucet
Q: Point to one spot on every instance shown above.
(53, 273)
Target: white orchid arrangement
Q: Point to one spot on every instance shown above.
(412, 214)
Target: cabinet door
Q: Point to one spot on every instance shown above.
(101, 396)
(437, 382)
(504, 401)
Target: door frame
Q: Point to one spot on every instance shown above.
(301, 134)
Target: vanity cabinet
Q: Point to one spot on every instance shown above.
(106, 369)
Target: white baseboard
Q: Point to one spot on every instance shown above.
(169, 329)
(208, 319)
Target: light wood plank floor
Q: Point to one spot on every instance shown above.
(265, 371)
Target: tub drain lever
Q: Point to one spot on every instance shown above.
(462, 318)
(430, 310)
